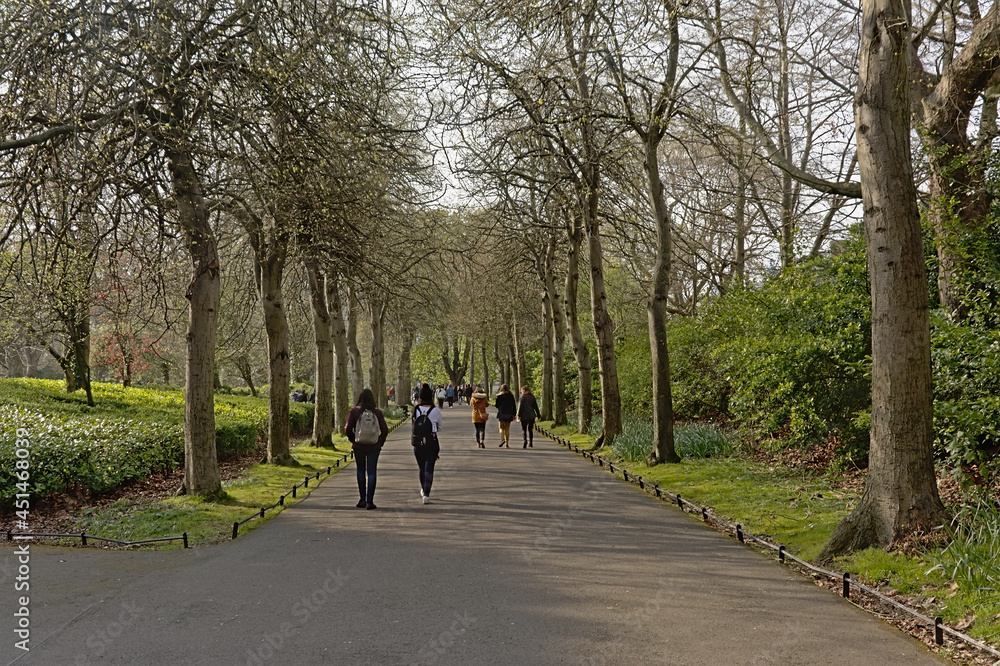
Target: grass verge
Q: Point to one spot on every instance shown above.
(211, 521)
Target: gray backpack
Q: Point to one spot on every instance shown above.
(367, 430)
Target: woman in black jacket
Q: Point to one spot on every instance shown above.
(527, 412)
(506, 410)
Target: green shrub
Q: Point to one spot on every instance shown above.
(789, 357)
(966, 361)
(126, 436)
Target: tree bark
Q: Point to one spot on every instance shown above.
(357, 370)
(901, 493)
(581, 354)
(487, 382)
(201, 465)
(656, 310)
(404, 377)
(558, 332)
(611, 405)
(322, 325)
(342, 399)
(960, 201)
(270, 270)
(378, 376)
(518, 357)
(547, 382)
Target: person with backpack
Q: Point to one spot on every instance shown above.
(479, 401)
(426, 449)
(527, 412)
(366, 430)
(506, 411)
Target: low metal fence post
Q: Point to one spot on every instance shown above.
(739, 533)
(781, 554)
(847, 585)
(83, 538)
(938, 631)
(236, 529)
(185, 539)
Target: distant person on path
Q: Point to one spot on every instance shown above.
(441, 396)
(480, 401)
(426, 426)
(527, 412)
(469, 391)
(506, 410)
(450, 395)
(366, 429)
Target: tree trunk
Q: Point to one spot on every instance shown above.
(404, 376)
(342, 400)
(242, 364)
(519, 357)
(960, 200)
(656, 311)
(322, 325)
(377, 373)
(487, 382)
(547, 382)
(581, 354)
(901, 491)
(611, 405)
(270, 271)
(68, 365)
(201, 465)
(357, 370)
(558, 333)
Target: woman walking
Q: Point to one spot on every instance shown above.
(426, 426)
(506, 410)
(527, 412)
(366, 430)
(479, 401)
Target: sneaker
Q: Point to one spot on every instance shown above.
(362, 504)
(427, 500)
(524, 446)
(370, 506)
(422, 493)
(530, 446)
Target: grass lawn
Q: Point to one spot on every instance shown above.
(211, 521)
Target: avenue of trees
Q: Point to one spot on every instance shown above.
(211, 193)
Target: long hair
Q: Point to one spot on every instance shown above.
(426, 395)
(367, 400)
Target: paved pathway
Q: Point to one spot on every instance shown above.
(523, 557)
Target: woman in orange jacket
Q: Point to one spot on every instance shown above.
(479, 402)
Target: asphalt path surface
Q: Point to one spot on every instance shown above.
(522, 557)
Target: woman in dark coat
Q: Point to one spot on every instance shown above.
(366, 455)
(527, 412)
(506, 410)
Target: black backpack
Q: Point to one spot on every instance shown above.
(423, 429)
